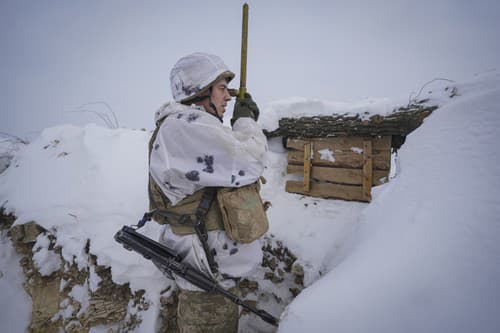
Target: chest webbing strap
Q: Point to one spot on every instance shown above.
(201, 228)
(198, 225)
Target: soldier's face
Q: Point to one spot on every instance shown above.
(220, 96)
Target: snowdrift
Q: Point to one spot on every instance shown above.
(426, 257)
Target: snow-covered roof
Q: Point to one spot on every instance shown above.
(401, 122)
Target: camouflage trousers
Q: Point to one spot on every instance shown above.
(199, 311)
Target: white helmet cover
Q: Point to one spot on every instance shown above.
(194, 73)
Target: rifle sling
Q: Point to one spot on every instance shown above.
(200, 227)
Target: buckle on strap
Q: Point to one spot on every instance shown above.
(205, 202)
(184, 219)
(146, 218)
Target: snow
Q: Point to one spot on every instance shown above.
(422, 257)
(46, 261)
(297, 107)
(94, 279)
(357, 150)
(14, 302)
(79, 294)
(326, 154)
(85, 183)
(66, 309)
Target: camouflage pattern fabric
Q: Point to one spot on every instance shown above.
(243, 213)
(157, 199)
(203, 312)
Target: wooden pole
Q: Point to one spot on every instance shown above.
(367, 170)
(244, 44)
(308, 152)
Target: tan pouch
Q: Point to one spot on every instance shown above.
(242, 212)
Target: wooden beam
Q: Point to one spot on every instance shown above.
(351, 143)
(308, 150)
(350, 160)
(327, 190)
(340, 175)
(367, 170)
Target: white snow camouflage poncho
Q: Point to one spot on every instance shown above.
(193, 150)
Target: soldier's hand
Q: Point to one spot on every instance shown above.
(245, 107)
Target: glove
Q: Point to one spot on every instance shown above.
(245, 107)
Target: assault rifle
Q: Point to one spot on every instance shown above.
(170, 263)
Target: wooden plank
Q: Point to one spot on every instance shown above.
(367, 170)
(307, 166)
(341, 175)
(381, 160)
(327, 190)
(341, 143)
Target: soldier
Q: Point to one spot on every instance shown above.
(190, 153)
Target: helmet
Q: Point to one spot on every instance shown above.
(193, 74)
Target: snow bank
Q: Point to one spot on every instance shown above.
(302, 107)
(435, 92)
(14, 302)
(84, 183)
(426, 258)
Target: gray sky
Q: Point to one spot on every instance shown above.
(59, 55)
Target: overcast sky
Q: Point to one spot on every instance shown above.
(58, 55)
